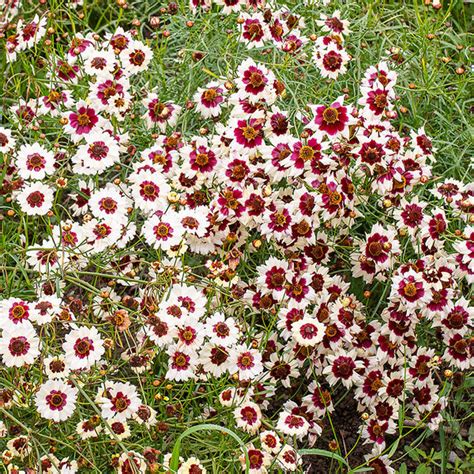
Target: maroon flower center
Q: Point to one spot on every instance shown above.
(83, 347)
(331, 115)
(35, 199)
(56, 400)
(18, 346)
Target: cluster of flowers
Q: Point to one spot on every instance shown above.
(246, 250)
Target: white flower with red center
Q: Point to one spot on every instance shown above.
(35, 199)
(289, 458)
(7, 142)
(19, 348)
(189, 333)
(379, 75)
(435, 228)
(163, 231)
(308, 332)
(377, 102)
(100, 63)
(32, 32)
(83, 347)
(254, 81)
(332, 119)
(304, 155)
(375, 431)
(119, 40)
(55, 367)
(215, 359)
(200, 156)
(82, 121)
(410, 290)
(15, 311)
(273, 276)
(55, 100)
(119, 430)
(160, 114)
(101, 234)
(270, 441)
(380, 246)
(161, 329)
(149, 191)
(248, 417)
(210, 99)
(343, 368)
(371, 153)
(281, 369)
(222, 330)
(247, 363)
(98, 154)
(276, 222)
(109, 204)
(421, 143)
(136, 57)
(331, 62)
(456, 318)
(410, 215)
(118, 400)
(132, 461)
(229, 6)
(89, 429)
(459, 351)
(254, 30)
(159, 157)
(230, 203)
(292, 425)
(333, 23)
(299, 290)
(56, 400)
(258, 460)
(45, 309)
(192, 465)
(111, 95)
(34, 161)
(181, 364)
(421, 364)
(247, 134)
(194, 221)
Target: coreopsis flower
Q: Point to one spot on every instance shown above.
(136, 57)
(409, 289)
(209, 100)
(35, 199)
(100, 235)
(100, 63)
(247, 362)
(331, 61)
(163, 231)
(55, 367)
(459, 351)
(83, 347)
(289, 458)
(181, 363)
(118, 400)
(108, 203)
(56, 400)
(15, 311)
(255, 82)
(254, 30)
(332, 120)
(270, 441)
(32, 32)
(192, 465)
(18, 350)
(82, 121)
(343, 368)
(248, 416)
(160, 114)
(333, 23)
(222, 330)
(308, 332)
(7, 141)
(292, 425)
(90, 428)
